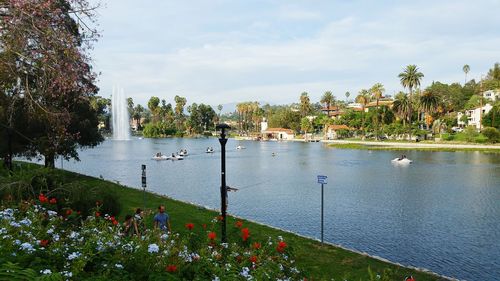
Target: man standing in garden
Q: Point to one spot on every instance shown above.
(162, 220)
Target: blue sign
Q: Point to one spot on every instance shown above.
(322, 179)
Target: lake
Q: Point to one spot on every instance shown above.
(441, 213)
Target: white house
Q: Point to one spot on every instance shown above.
(473, 115)
(492, 95)
(278, 134)
(333, 131)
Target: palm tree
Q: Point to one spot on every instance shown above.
(401, 106)
(305, 104)
(466, 70)
(347, 94)
(363, 98)
(410, 78)
(377, 91)
(328, 99)
(428, 102)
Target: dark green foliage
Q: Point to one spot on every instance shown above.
(492, 134)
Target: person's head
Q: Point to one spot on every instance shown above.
(128, 218)
(161, 208)
(139, 212)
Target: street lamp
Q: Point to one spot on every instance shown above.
(223, 188)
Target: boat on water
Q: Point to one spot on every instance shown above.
(158, 157)
(210, 150)
(240, 147)
(183, 152)
(401, 160)
(175, 157)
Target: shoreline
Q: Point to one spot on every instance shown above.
(378, 145)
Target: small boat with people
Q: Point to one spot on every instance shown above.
(402, 160)
(210, 150)
(174, 157)
(158, 157)
(183, 152)
(240, 147)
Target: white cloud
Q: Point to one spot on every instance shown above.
(216, 62)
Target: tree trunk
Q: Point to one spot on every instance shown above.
(409, 116)
(8, 157)
(50, 161)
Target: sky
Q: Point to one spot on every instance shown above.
(226, 51)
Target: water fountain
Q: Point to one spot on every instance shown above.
(121, 126)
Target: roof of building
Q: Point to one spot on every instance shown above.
(278, 130)
(331, 108)
(380, 102)
(338, 127)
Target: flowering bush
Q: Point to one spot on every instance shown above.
(35, 237)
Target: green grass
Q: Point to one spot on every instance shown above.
(319, 262)
(396, 148)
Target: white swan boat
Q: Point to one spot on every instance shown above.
(160, 157)
(240, 147)
(209, 150)
(183, 152)
(401, 161)
(175, 157)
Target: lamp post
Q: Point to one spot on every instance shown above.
(223, 188)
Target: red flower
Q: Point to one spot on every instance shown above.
(238, 224)
(115, 222)
(97, 214)
(281, 246)
(112, 218)
(190, 226)
(171, 268)
(253, 259)
(53, 201)
(68, 212)
(44, 242)
(79, 213)
(212, 235)
(42, 198)
(256, 245)
(245, 233)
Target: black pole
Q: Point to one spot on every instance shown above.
(223, 187)
(322, 203)
(143, 181)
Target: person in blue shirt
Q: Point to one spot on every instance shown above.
(162, 220)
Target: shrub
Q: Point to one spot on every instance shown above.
(470, 133)
(492, 134)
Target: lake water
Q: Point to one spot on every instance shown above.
(441, 213)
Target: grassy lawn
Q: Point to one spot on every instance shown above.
(319, 262)
(396, 148)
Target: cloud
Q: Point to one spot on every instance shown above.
(275, 53)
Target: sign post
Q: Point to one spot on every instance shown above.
(322, 181)
(143, 180)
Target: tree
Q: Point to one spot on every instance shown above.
(180, 102)
(219, 108)
(410, 78)
(401, 106)
(153, 105)
(138, 111)
(428, 102)
(377, 92)
(492, 118)
(466, 70)
(44, 46)
(363, 98)
(347, 94)
(328, 99)
(130, 106)
(305, 125)
(305, 104)
(494, 72)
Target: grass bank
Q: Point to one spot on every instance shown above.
(379, 146)
(319, 262)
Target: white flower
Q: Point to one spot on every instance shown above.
(67, 273)
(216, 278)
(27, 247)
(14, 224)
(74, 235)
(26, 222)
(245, 272)
(118, 266)
(74, 255)
(46, 271)
(55, 237)
(3, 231)
(51, 213)
(50, 231)
(225, 245)
(164, 236)
(153, 248)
